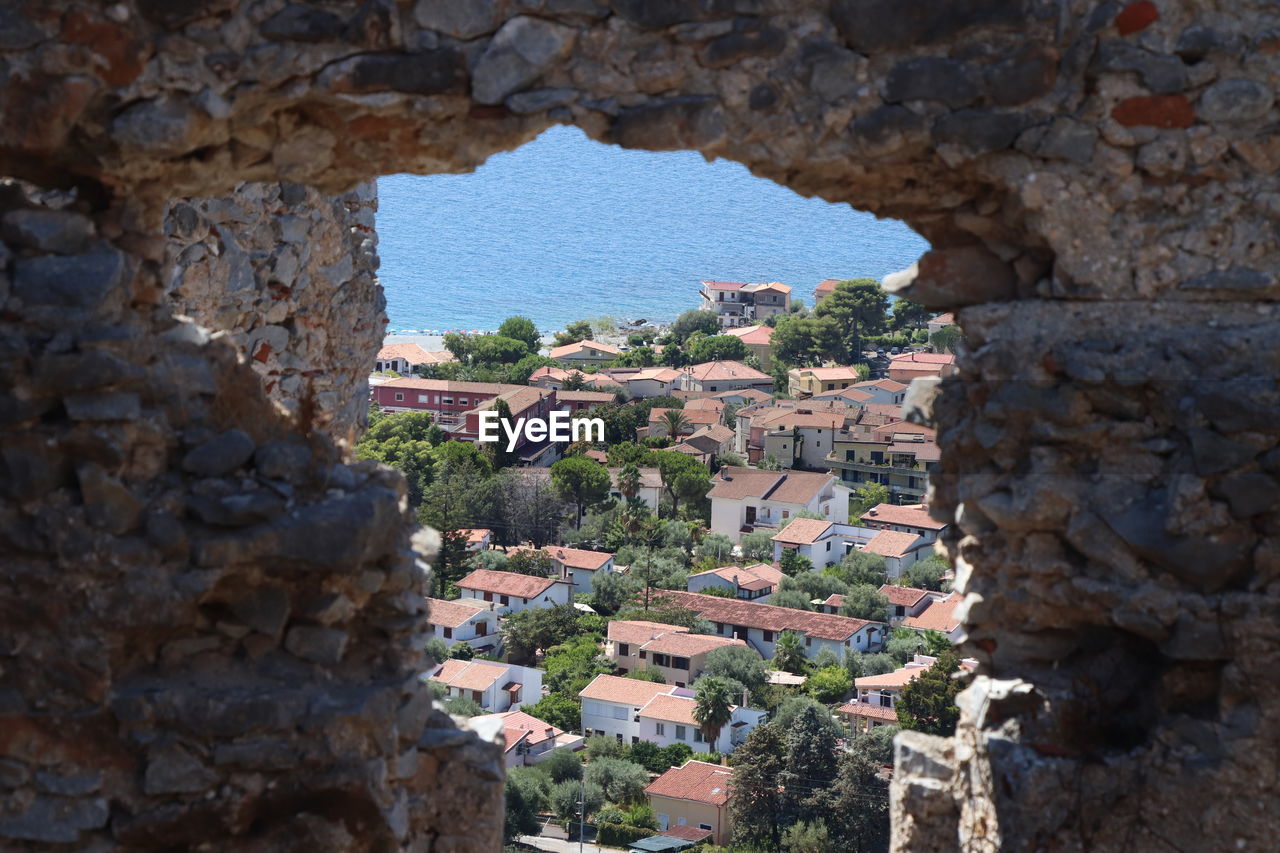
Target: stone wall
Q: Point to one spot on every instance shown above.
(211, 617)
(290, 275)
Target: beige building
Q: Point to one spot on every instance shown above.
(807, 381)
(671, 650)
(695, 795)
(737, 303)
(717, 376)
(585, 352)
(758, 340)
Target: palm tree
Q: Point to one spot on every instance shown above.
(714, 706)
(675, 421)
(788, 654)
(629, 481)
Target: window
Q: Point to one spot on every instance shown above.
(786, 513)
(660, 729)
(808, 641)
(399, 396)
(680, 663)
(768, 636)
(462, 401)
(885, 701)
(681, 733)
(828, 544)
(514, 694)
(706, 826)
(477, 697)
(661, 660)
(624, 650)
(697, 736)
(482, 628)
(899, 610)
(422, 398)
(448, 401)
(505, 600)
(488, 596)
(719, 627)
(448, 633)
(619, 713)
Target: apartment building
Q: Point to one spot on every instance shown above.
(747, 499)
(808, 381)
(899, 456)
(737, 303)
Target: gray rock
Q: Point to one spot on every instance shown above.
(219, 455)
(313, 643)
(460, 20)
(1214, 453)
(174, 770)
(1022, 78)
(237, 510)
(884, 126)
(114, 406)
(874, 25)
(979, 130)
(297, 22)
(75, 281)
(55, 820)
(1160, 73)
(17, 32)
(963, 275)
(1235, 278)
(1236, 99)
(263, 753)
(108, 504)
(1249, 493)
(537, 100)
(670, 125)
(1196, 42)
(427, 72)
(833, 71)
(264, 609)
(331, 609)
(762, 97)
(518, 55)
(62, 232)
(736, 46)
(164, 127)
(660, 14)
(930, 78)
(283, 460)
(1068, 139)
(13, 774)
(72, 785)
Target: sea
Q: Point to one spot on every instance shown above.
(565, 228)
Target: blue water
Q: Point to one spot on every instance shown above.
(565, 228)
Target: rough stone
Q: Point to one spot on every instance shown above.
(460, 20)
(1161, 74)
(165, 127)
(518, 55)
(283, 460)
(930, 78)
(74, 282)
(220, 455)
(979, 130)
(321, 645)
(174, 770)
(61, 232)
(884, 24)
(108, 504)
(734, 47)
(1236, 99)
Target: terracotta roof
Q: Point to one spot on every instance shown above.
(450, 386)
(579, 346)
(506, 583)
(923, 451)
(767, 617)
(452, 614)
(891, 543)
(709, 439)
(891, 412)
(518, 399)
(866, 709)
(803, 531)
(850, 393)
(769, 285)
(755, 576)
(695, 417)
(624, 691)
(659, 374)
(947, 318)
(793, 419)
(638, 631)
(713, 371)
(598, 455)
(909, 515)
(752, 335)
(798, 487)
(835, 600)
(414, 354)
(698, 781)
(672, 709)
(907, 596)
(683, 644)
(704, 403)
(909, 358)
(826, 374)
(745, 393)
(584, 396)
(687, 833)
(938, 616)
(577, 558)
(723, 285)
(476, 535)
(886, 384)
(827, 285)
(520, 722)
(470, 674)
(891, 680)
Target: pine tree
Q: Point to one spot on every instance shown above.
(811, 767)
(756, 807)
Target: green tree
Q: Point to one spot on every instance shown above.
(867, 497)
(715, 546)
(859, 664)
(629, 481)
(571, 665)
(581, 480)
(946, 339)
(527, 561)
(807, 342)
(611, 590)
(526, 795)
(793, 706)
(675, 422)
(935, 643)
(458, 496)
(683, 477)
(565, 800)
(928, 702)
(903, 645)
(525, 631)
(809, 837)
(737, 663)
(859, 306)
(521, 329)
(714, 697)
(628, 453)
(860, 567)
(927, 573)
(719, 348)
(648, 674)
(462, 651)
(497, 350)
(829, 685)
(864, 601)
(793, 563)
(562, 765)
(756, 808)
(574, 332)
(530, 509)
(820, 585)
(406, 441)
(909, 315)
(437, 650)
(675, 755)
(501, 456)
(557, 709)
(757, 547)
(793, 598)
(788, 653)
(621, 781)
(858, 816)
(811, 766)
(692, 321)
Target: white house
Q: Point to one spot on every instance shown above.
(939, 616)
(668, 718)
(611, 706)
(899, 550)
(585, 352)
(513, 592)
(650, 486)
(824, 542)
(626, 636)
(579, 567)
(717, 376)
(908, 518)
(528, 740)
(464, 621)
(493, 686)
(884, 391)
(760, 625)
(744, 499)
(478, 538)
(403, 358)
(645, 382)
(750, 583)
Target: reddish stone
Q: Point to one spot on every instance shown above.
(124, 54)
(1167, 111)
(263, 353)
(487, 111)
(1269, 45)
(1136, 16)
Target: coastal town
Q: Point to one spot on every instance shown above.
(701, 624)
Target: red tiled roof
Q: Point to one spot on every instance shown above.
(723, 285)
(910, 515)
(650, 478)
(825, 626)
(753, 335)
(577, 558)
(624, 691)
(891, 680)
(687, 833)
(704, 403)
(866, 709)
(414, 354)
(746, 393)
(506, 583)
(835, 600)
(520, 722)
(906, 596)
(672, 709)
(799, 487)
(908, 358)
(938, 616)
(695, 417)
(891, 543)
(697, 781)
(802, 531)
(451, 614)
(755, 576)
(579, 346)
(685, 645)
(947, 319)
(827, 285)
(826, 374)
(584, 396)
(450, 386)
(886, 384)
(476, 534)
(470, 674)
(638, 631)
(713, 371)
